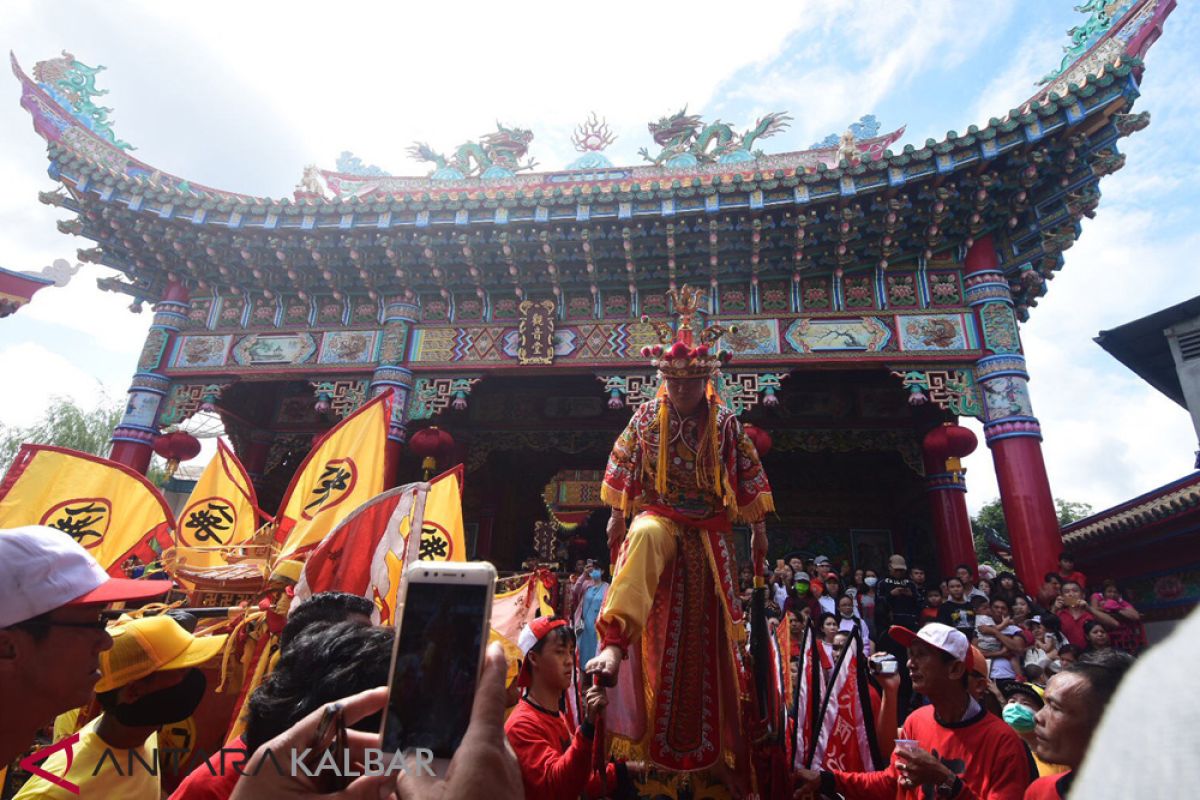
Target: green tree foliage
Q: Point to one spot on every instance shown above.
(990, 519)
(66, 424)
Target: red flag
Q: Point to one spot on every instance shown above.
(354, 556)
(809, 691)
(846, 738)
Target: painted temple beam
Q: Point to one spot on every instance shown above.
(1010, 428)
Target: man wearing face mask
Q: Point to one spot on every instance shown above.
(1022, 702)
(149, 678)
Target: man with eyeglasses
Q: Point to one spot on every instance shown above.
(51, 631)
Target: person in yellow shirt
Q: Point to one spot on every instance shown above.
(149, 678)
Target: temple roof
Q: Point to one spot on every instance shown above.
(727, 211)
(1161, 505)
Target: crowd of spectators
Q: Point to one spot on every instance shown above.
(1024, 635)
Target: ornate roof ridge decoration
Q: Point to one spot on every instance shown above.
(72, 84)
(494, 155)
(62, 129)
(1113, 29)
(686, 140)
(1156, 505)
(1129, 38)
(590, 138)
(867, 127)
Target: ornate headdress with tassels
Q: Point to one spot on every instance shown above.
(678, 355)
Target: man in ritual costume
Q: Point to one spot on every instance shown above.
(686, 471)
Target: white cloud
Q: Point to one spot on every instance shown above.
(103, 317)
(44, 375)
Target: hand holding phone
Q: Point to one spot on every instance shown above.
(443, 618)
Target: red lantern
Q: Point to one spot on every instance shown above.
(950, 443)
(175, 447)
(762, 439)
(428, 444)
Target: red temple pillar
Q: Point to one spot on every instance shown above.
(133, 438)
(947, 494)
(1010, 428)
(399, 315)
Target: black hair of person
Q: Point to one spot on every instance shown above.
(186, 620)
(323, 607)
(1103, 670)
(324, 663)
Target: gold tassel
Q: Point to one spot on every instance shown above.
(714, 448)
(611, 497)
(757, 509)
(664, 438)
(230, 645)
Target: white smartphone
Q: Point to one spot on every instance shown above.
(443, 617)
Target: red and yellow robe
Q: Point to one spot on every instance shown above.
(671, 601)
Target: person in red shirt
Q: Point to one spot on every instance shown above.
(1074, 612)
(949, 748)
(556, 762)
(933, 600)
(1075, 700)
(1067, 571)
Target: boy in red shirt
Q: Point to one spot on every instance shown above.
(556, 762)
(933, 599)
(1066, 570)
(950, 748)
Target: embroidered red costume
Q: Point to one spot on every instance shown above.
(687, 478)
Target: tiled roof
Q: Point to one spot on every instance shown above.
(1164, 503)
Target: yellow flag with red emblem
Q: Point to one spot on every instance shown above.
(343, 471)
(110, 509)
(222, 509)
(442, 537)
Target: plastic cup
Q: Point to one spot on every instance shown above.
(906, 746)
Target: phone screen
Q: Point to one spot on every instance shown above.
(437, 666)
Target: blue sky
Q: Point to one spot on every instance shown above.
(241, 96)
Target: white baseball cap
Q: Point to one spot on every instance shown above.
(935, 634)
(42, 568)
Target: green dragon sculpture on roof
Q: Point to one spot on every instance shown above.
(73, 85)
(495, 155)
(686, 140)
